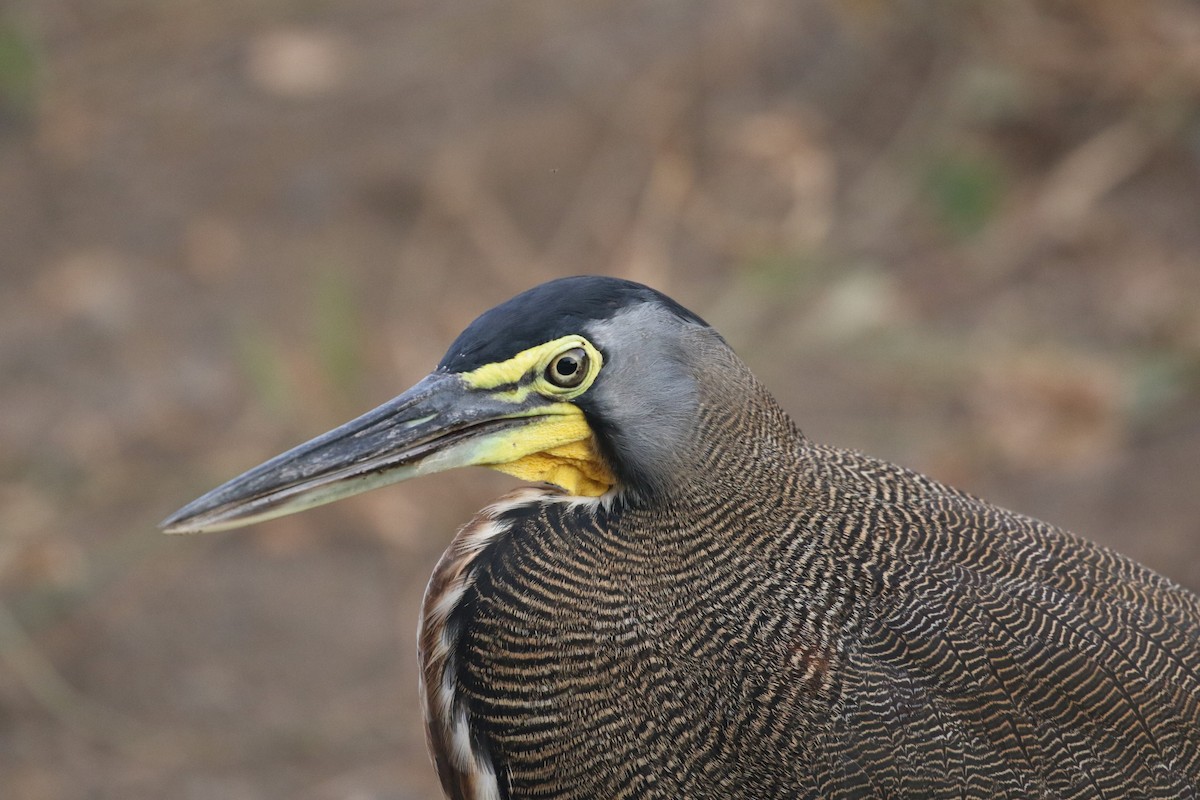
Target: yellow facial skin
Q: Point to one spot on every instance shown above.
(559, 447)
(553, 442)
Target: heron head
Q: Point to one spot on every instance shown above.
(588, 383)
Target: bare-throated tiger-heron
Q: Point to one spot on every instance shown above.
(696, 601)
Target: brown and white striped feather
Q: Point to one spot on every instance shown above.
(464, 766)
(831, 627)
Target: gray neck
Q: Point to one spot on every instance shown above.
(735, 429)
(678, 408)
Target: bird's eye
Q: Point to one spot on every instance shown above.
(568, 369)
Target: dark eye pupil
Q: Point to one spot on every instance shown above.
(569, 369)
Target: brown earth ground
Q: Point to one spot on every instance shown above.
(963, 236)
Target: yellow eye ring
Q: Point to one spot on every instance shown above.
(568, 369)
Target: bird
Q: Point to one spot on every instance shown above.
(688, 598)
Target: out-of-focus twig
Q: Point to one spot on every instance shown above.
(456, 187)
(47, 685)
(1066, 198)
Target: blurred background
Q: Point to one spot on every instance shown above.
(964, 236)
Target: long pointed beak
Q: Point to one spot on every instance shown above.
(438, 424)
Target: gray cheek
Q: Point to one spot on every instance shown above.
(648, 388)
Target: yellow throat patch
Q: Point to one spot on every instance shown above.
(575, 466)
(558, 446)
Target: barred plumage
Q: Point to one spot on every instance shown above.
(712, 606)
(833, 627)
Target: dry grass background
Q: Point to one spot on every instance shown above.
(962, 235)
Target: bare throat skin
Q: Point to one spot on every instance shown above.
(577, 467)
